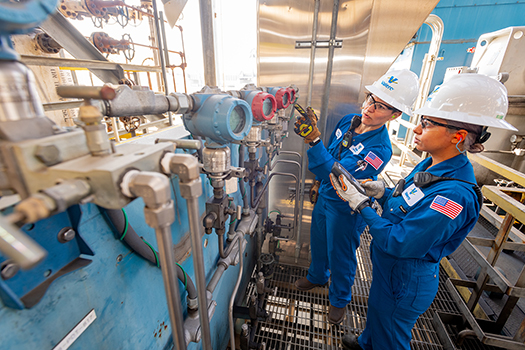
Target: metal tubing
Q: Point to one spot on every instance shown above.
(232, 299)
(180, 143)
(171, 284)
(296, 206)
(223, 254)
(154, 189)
(216, 277)
(208, 45)
(18, 246)
(291, 153)
(198, 263)
(161, 49)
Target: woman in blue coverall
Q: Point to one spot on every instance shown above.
(429, 218)
(362, 145)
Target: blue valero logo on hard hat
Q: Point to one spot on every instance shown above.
(391, 80)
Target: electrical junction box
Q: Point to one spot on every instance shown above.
(502, 52)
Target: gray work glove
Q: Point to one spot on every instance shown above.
(347, 192)
(374, 189)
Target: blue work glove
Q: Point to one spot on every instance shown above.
(347, 192)
(374, 189)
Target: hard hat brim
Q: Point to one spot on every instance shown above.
(388, 99)
(466, 118)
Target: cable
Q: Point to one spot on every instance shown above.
(185, 276)
(126, 225)
(274, 211)
(154, 252)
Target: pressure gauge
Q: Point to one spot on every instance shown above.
(219, 118)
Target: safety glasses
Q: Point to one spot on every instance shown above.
(378, 106)
(425, 122)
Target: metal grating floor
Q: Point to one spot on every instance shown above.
(299, 320)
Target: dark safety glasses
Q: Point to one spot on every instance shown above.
(378, 106)
(426, 122)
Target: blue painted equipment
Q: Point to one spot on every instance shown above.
(219, 118)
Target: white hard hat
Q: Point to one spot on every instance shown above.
(398, 88)
(469, 98)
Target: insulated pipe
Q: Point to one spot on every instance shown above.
(137, 244)
(154, 189)
(187, 168)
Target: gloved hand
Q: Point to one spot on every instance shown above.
(307, 125)
(374, 189)
(314, 191)
(349, 193)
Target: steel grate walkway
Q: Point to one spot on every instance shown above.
(299, 320)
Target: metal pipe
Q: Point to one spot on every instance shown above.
(425, 76)
(223, 253)
(208, 44)
(167, 61)
(160, 52)
(187, 168)
(171, 283)
(18, 246)
(292, 153)
(154, 189)
(299, 195)
(296, 206)
(198, 263)
(232, 299)
(329, 65)
(181, 143)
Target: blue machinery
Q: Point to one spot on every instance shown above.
(103, 234)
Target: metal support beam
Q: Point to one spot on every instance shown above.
(80, 63)
(77, 45)
(208, 44)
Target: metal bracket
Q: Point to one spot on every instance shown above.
(321, 44)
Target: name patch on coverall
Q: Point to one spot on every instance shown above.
(413, 194)
(357, 148)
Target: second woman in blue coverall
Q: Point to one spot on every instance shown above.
(427, 220)
(362, 145)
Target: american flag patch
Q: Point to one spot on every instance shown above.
(373, 160)
(446, 206)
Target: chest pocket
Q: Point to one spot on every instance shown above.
(396, 209)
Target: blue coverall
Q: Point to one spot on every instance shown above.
(416, 230)
(335, 229)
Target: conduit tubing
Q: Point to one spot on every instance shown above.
(132, 239)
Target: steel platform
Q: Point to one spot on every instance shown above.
(299, 319)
